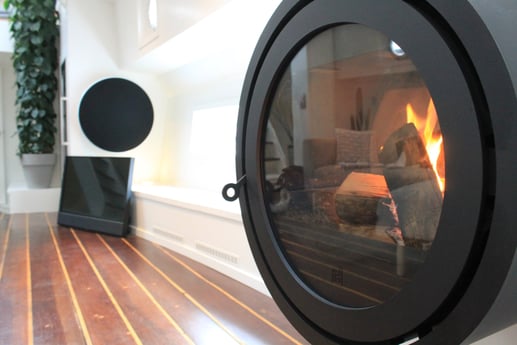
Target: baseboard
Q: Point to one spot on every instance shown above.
(24, 200)
(216, 261)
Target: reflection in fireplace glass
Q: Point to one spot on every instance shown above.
(353, 166)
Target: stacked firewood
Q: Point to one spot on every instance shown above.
(406, 198)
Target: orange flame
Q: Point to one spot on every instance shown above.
(431, 135)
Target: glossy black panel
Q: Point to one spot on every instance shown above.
(95, 194)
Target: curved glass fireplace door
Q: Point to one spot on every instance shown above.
(376, 168)
(353, 166)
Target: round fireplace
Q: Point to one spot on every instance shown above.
(376, 159)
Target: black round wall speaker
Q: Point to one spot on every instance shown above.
(116, 114)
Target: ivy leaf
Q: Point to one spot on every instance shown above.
(39, 60)
(36, 40)
(17, 25)
(35, 26)
(21, 49)
(35, 148)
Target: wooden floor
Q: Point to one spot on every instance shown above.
(65, 286)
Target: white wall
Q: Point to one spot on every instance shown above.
(5, 106)
(212, 78)
(93, 54)
(14, 173)
(173, 18)
(201, 62)
(6, 44)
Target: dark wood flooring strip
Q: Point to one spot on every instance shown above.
(84, 337)
(239, 320)
(54, 317)
(64, 286)
(101, 318)
(28, 284)
(190, 316)
(147, 318)
(256, 313)
(205, 299)
(237, 292)
(13, 288)
(130, 332)
(5, 229)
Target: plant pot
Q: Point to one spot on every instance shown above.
(38, 169)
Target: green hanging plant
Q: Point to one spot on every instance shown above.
(35, 31)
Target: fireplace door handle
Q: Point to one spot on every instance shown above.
(231, 190)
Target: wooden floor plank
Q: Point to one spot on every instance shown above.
(64, 286)
(5, 229)
(102, 320)
(13, 287)
(238, 320)
(148, 322)
(53, 313)
(109, 291)
(78, 313)
(190, 318)
(260, 306)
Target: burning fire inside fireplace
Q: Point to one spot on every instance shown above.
(429, 130)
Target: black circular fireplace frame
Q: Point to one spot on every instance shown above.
(476, 102)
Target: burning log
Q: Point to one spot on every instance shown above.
(412, 184)
(361, 199)
(418, 199)
(404, 147)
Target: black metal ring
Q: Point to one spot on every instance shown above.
(236, 187)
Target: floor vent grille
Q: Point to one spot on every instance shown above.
(168, 234)
(217, 253)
